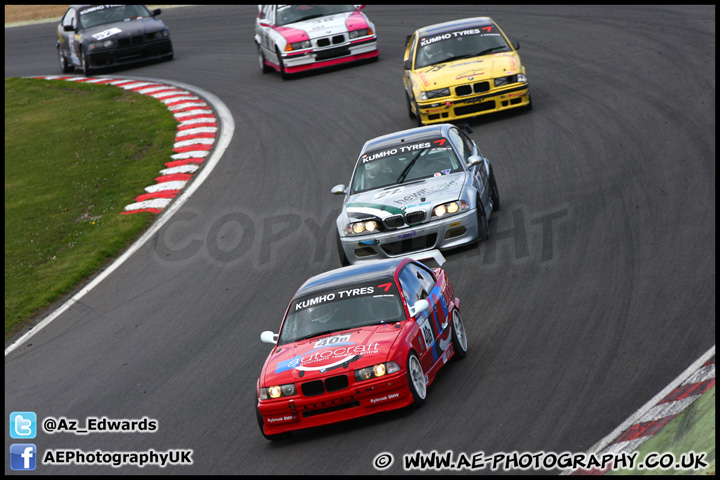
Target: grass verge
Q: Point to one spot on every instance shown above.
(688, 436)
(75, 155)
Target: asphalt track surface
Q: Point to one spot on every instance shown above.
(595, 290)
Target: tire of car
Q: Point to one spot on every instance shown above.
(417, 115)
(411, 114)
(85, 65)
(494, 193)
(459, 337)
(279, 436)
(341, 253)
(482, 222)
(528, 107)
(416, 380)
(261, 58)
(283, 74)
(64, 67)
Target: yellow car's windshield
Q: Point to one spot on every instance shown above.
(459, 44)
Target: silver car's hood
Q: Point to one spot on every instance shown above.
(407, 197)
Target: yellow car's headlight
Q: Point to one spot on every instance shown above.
(502, 81)
(440, 92)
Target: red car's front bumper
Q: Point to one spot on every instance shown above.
(359, 399)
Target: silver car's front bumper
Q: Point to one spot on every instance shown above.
(442, 234)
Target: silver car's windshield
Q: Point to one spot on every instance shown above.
(460, 44)
(102, 14)
(341, 309)
(400, 164)
(287, 14)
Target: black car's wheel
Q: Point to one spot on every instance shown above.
(261, 58)
(494, 193)
(459, 337)
(85, 64)
(341, 252)
(416, 380)
(411, 114)
(279, 436)
(64, 67)
(482, 222)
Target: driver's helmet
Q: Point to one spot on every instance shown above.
(373, 168)
(322, 313)
(433, 50)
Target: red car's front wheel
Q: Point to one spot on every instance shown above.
(416, 380)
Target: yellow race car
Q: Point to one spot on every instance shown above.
(462, 69)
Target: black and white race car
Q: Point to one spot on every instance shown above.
(415, 190)
(97, 36)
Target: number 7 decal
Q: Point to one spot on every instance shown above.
(385, 286)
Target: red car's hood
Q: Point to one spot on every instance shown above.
(348, 349)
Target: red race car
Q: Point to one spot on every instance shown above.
(359, 340)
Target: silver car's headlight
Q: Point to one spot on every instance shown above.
(440, 92)
(450, 208)
(298, 45)
(356, 228)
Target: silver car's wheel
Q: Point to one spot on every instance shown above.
(482, 222)
(416, 378)
(494, 193)
(459, 337)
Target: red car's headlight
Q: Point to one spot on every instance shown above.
(376, 371)
(277, 391)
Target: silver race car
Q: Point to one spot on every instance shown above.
(415, 190)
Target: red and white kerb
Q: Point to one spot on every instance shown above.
(195, 137)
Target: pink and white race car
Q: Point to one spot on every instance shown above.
(296, 38)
